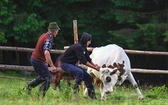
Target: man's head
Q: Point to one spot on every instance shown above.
(85, 39)
(53, 28)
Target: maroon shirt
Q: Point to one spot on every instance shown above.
(44, 43)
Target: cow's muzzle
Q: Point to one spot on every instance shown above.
(108, 92)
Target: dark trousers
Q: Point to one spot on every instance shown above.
(44, 77)
(79, 73)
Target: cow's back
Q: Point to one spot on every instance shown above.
(109, 54)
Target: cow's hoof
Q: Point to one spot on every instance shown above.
(102, 99)
(76, 88)
(141, 98)
(54, 87)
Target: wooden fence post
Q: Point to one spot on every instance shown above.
(75, 31)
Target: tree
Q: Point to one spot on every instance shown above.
(123, 22)
(6, 16)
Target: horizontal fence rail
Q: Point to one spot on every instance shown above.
(30, 68)
(6, 48)
(16, 49)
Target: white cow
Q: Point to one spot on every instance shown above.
(115, 69)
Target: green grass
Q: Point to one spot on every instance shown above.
(11, 93)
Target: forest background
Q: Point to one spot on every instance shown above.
(131, 24)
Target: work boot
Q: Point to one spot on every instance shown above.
(91, 93)
(27, 89)
(31, 85)
(76, 88)
(42, 93)
(43, 89)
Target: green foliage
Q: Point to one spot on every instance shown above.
(128, 4)
(2, 37)
(66, 91)
(124, 37)
(7, 10)
(158, 92)
(123, 22)
(152, 35)
(27, 27)
(6, 16)
(11, 93)
(166, 36)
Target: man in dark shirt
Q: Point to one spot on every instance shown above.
(78, 52)
(40, 59)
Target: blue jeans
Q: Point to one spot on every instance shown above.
(44, 77)
(79, 73)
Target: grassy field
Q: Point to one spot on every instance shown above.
(11, 93)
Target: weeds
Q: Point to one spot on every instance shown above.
(11, 93)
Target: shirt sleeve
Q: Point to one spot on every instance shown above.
(47, 45)
(88, 56)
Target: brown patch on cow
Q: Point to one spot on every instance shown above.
(114, 71)
(110, 66)
(115, 64)
(96, 81)
(120, 67)
(104, 66)
(57, 76)
(119, 78)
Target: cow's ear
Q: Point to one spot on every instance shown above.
(104, 66)
(110, 66)
(121, 65)
(113, 72)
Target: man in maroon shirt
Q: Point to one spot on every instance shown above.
(40, 59)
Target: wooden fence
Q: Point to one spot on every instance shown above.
(29, 68)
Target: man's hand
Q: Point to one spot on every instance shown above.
(97, 67)
(53, 69)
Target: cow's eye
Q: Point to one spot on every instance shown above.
(108, 79)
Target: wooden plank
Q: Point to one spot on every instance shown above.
(145, 52)
(150, 71)
(30, 68)
(16, 49)
(6, 48)
(19, 68)
(134, 51)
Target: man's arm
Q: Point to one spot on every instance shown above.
(49, 60)
(93, 66)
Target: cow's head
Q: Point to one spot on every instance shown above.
(110, 74)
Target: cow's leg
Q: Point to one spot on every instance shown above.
(103, 95)
(54, 80)
(56, 77)
(68, 78)
(85, 92)
(135, 85)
